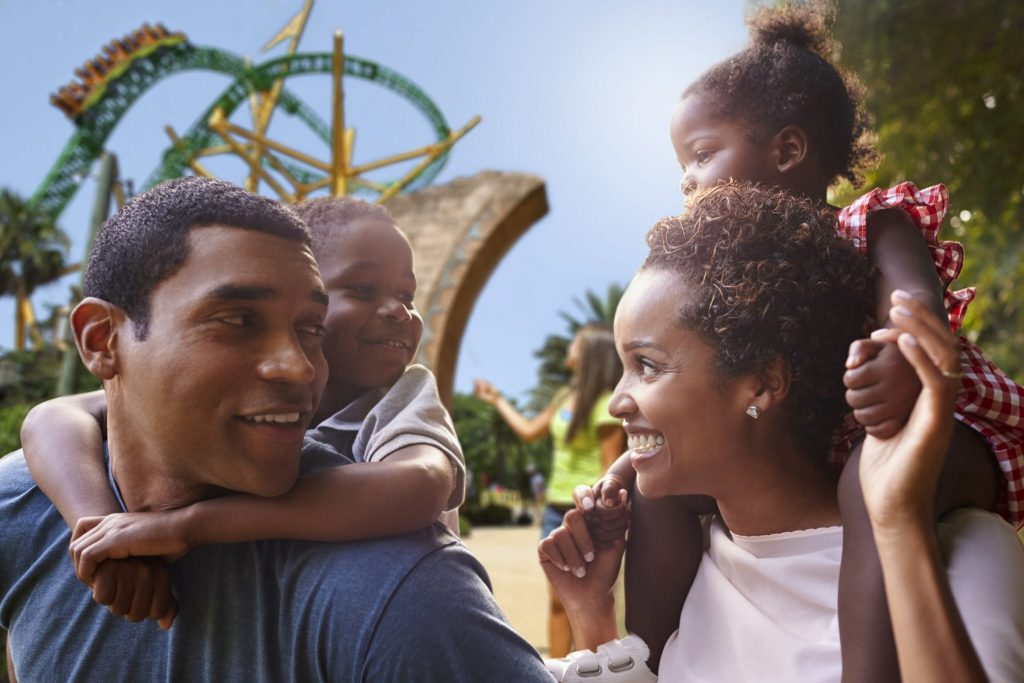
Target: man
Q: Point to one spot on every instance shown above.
(203, 316)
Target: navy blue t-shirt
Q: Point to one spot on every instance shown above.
(414, 607)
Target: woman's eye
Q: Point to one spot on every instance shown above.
(646, 367)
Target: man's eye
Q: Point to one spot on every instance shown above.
(236, 320)
(703, 156)
(314, 329)
(407, 298)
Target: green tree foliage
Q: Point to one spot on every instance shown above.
(32, 247)
(945, 83)
(552, 373)
(493, 451)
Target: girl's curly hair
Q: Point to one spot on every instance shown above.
(770, 279)
(787, 77)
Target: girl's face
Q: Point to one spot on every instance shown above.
(572, 354)
(711, 149)
(684, 421)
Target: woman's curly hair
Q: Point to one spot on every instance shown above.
(770, 279)
(787, 77)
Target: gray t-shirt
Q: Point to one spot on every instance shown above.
(382, 421)
(414, 607)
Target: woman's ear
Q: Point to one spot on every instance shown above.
(95, 324)
(791, 149)
(772, 385)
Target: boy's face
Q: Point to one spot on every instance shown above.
(373, 327)
(711, 149)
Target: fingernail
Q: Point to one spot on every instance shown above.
(879, 332)
(902, 310)
(909, 339)
(565, 567)
(589, 557)
(581, 572)
(588, 504)
(901, 294)
(852, 360)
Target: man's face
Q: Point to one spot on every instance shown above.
(227, 380)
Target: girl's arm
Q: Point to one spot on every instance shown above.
(404, 492)
(63, 443)
(898, 476)
(898, 250)
(527, 429)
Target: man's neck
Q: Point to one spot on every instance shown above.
(143, 475)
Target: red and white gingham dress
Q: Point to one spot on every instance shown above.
(989, 402)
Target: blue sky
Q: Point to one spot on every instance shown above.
(577, 92)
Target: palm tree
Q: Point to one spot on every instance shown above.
(32, 251)
(552, 374)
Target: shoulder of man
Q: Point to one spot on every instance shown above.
(438, 620)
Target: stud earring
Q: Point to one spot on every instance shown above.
(754, 412)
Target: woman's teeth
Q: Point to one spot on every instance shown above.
(644, 442)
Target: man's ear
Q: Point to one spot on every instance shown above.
(791, 148)
(96, 325)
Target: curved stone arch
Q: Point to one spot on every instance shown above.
(460, 231)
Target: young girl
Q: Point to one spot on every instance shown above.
(780, 113)
(376, 408)
(587, 439)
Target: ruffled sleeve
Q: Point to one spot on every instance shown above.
(927, 208)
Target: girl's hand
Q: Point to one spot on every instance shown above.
(881, 386)
(127, 534)
(604, 508)
(898, 474)
(136, 588)
(485, 391)
(582, 574)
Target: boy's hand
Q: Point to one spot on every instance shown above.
(136, 588)
(881, 386)
(123, 535)
(605, 509)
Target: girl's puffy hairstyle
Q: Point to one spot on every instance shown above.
(770, 280)
(786, 77)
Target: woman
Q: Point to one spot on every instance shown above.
(733, 339)
(586, 438)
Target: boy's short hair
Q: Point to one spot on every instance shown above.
(328, 217)
(146, 242)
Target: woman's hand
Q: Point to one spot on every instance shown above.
(485, 391)
(583, 575)
(899, 474)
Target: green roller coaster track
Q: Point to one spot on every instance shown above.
(96, 124)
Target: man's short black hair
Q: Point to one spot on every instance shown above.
(146, 242)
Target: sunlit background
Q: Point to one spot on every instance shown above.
(576, 92)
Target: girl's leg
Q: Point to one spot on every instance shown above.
(663, 551)
(970, 478)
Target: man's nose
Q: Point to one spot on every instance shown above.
(286, 360)
(687, 184)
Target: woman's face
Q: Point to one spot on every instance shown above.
(683, 419)
(572, 354)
